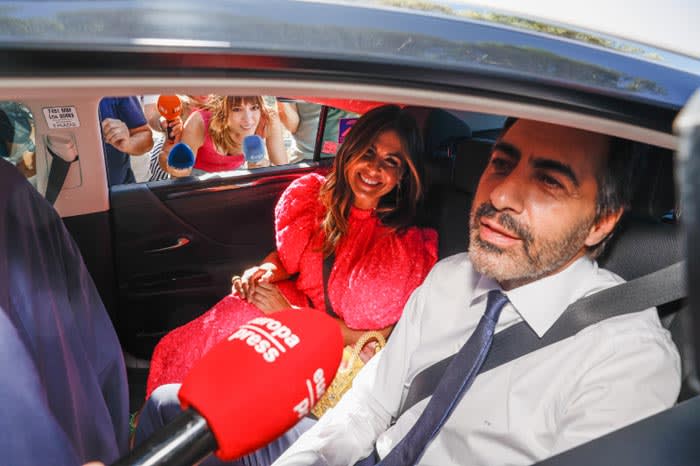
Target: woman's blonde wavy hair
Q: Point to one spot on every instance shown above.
(398, 208)
(225, 139)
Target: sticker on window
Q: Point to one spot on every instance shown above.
(61, 117)
(344, 126)
(329, 147)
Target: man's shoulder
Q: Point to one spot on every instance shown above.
(627, 337)
(126, 109)
(625, 325)
(643, 325)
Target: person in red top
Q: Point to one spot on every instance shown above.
(216, 131)
(364, 213)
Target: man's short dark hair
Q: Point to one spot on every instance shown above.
(617, 181)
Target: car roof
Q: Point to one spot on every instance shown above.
(393, 45)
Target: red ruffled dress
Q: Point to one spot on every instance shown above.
(374, 272)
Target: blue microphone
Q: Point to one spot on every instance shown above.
(180, 160)
(254, 151)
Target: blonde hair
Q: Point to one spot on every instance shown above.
(225, 139)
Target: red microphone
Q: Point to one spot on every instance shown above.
(169, 107)
(249, 389)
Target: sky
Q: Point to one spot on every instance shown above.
(670, 24)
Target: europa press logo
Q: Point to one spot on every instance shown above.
(271, 339)
(315, 388)
(267, 336)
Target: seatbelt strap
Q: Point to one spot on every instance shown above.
(656, 288)
(57, 176)
(327, 267)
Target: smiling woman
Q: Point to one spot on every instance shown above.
(378, 171)
(215, 134)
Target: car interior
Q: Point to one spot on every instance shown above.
(222, 224)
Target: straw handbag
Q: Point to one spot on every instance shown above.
(349, 367)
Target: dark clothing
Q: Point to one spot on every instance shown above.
(63, 395)
(128, 110)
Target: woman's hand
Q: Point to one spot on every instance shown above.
(270, 271)
(268, 298)
(245, 285)
(350, 337)
(369, 350)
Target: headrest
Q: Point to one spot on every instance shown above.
(655, 195)
(443, 129)
(439, 127)
(643, 242)
(641, 246)
(471, 158)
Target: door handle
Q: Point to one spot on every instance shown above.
(181, 241)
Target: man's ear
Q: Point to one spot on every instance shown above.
(602, 228)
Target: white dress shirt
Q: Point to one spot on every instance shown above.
(608, 375)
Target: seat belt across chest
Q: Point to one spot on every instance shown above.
(660, 287)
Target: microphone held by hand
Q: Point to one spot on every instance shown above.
(170, 107)
(254, 151)
(180, 160)
(248, 389)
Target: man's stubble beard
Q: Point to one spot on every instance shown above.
(533, 259)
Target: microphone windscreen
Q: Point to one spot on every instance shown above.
(254, 148)
(169, 106)
(264, 378)
(181, 156)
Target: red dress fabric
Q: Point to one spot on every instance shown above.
(374, 272)
(208, 158)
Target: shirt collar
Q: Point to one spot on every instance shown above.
(543, 301)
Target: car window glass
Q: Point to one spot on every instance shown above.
(286, 125)
(338, 123)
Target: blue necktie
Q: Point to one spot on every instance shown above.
(456, 380)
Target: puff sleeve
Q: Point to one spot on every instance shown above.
(298, 217)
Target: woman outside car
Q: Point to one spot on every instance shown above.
(215, 134)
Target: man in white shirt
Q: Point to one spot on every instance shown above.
(544, 208)
(545, 205)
